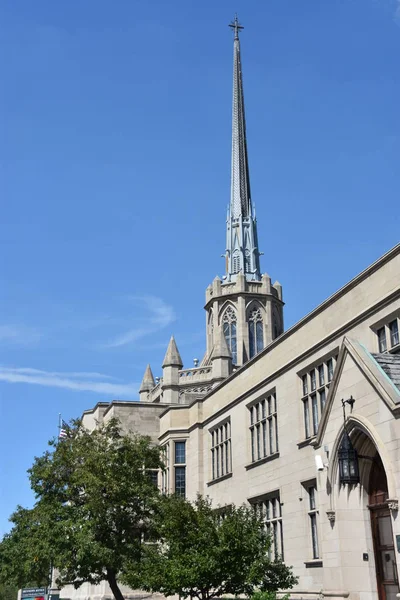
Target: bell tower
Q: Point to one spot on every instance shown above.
(244, 306)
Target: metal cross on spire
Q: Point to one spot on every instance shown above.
(236, 26)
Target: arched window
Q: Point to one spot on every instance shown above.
(229, 328)
(236, 261)
(256, 335)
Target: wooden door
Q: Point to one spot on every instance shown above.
(382, 534)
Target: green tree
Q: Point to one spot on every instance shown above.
(94, 502)
(24, 552)
(202, 555)
(8, 591)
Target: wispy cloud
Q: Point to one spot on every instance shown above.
(82, 382)
(159, 315)
(19, 335)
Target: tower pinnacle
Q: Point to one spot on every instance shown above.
(242, 252)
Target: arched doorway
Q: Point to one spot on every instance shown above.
(382, 532)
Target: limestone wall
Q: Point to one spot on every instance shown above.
(352, 312)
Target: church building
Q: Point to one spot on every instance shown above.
(301, 423)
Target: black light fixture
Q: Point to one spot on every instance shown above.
(347, 454)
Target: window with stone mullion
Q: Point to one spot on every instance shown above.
(221, 450)
(313, 517)
(388, 336)
(229, 329)
(270, 511)
(315, 384)
(180, 468)
(256, 333)
(263, 428)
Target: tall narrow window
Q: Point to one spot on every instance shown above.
(256, 335)
(270, 511)
(263, 428)
(394, 333)
(315, 385)
(221, 462)
(305, 385)
(153, 476)
(312, 513)
(321, 375)
(306, 418)
(314, 406)
(165, 471)
(381, 333)
(313, 379)
(180, 469)
(180, 453)
(329, 364)
(229, 328)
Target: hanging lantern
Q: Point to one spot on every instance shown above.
(348, 461)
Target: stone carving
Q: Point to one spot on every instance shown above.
(393, 504)
(331, 514)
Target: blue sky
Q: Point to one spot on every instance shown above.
(115, 166)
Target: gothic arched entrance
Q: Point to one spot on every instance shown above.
(382, 532)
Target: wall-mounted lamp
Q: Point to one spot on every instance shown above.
(347, 454)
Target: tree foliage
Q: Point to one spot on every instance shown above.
(8, 591)
(200, 554)
(94, 502)
(24, 552)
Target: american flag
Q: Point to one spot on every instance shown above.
(64, 428)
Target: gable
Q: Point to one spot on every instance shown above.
(354, 354)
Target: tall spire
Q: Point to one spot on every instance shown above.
(240, 181)
(242, 254)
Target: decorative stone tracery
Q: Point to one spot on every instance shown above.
(229, 324)
(256, 332)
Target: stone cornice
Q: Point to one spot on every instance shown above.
(235, 294)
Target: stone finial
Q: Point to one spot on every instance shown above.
(241, 282)
(221, 349)
(266, 281)
(148, 380)
(216, 286)
(278, 288)
(172, 357)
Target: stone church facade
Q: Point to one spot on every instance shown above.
(302, 424)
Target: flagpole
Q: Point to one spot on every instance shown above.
(59, 426)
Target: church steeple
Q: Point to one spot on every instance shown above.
(242, 254)
(245, 307)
